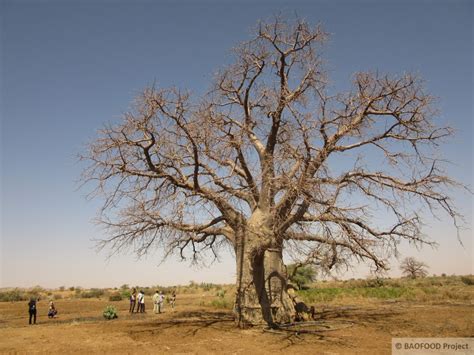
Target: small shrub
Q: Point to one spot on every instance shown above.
(220, 293)
(436, 282)
(114, 297)
(221, 303)
(376, 282)
(110, 312)
(467, 280)
(57, 296)
(395, 283)
(206, 286)
(93, 293)
(77, 292)
(62, 288)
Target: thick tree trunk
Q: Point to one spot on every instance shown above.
(262, 297)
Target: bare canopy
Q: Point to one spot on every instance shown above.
(413, 268)
(270, 158)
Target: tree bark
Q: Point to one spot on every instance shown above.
(262, 296)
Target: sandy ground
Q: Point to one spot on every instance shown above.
(194, 329)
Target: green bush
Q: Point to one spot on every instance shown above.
(92, 293)
(221, 303)
(110, 312)
(114, 297)
(13, 296)
(220, 293)
(207, 286)
(376, 282)
(468, 280)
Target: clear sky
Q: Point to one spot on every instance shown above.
(68, 67)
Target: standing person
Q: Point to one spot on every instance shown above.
(139, 301)
(133, 300)
(161, 298)
(32, 309)
(142, 302)
(173, 299)
(156, 298)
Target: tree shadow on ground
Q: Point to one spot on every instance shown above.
(330, 325)
(189, 322)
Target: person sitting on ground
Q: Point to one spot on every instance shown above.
(52, 312)
(303, 312)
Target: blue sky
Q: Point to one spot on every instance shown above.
(69, 67)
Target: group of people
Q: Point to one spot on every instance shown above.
(137, 301)
(137, 304)
(52, 311)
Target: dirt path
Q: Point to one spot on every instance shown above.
(194, 329)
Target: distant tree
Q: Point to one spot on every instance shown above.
(413, 268)
(272, 159)
(301, 275)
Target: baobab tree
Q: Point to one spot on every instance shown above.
(413, 268)
(270, 160)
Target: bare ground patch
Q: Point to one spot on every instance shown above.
(194, 329)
